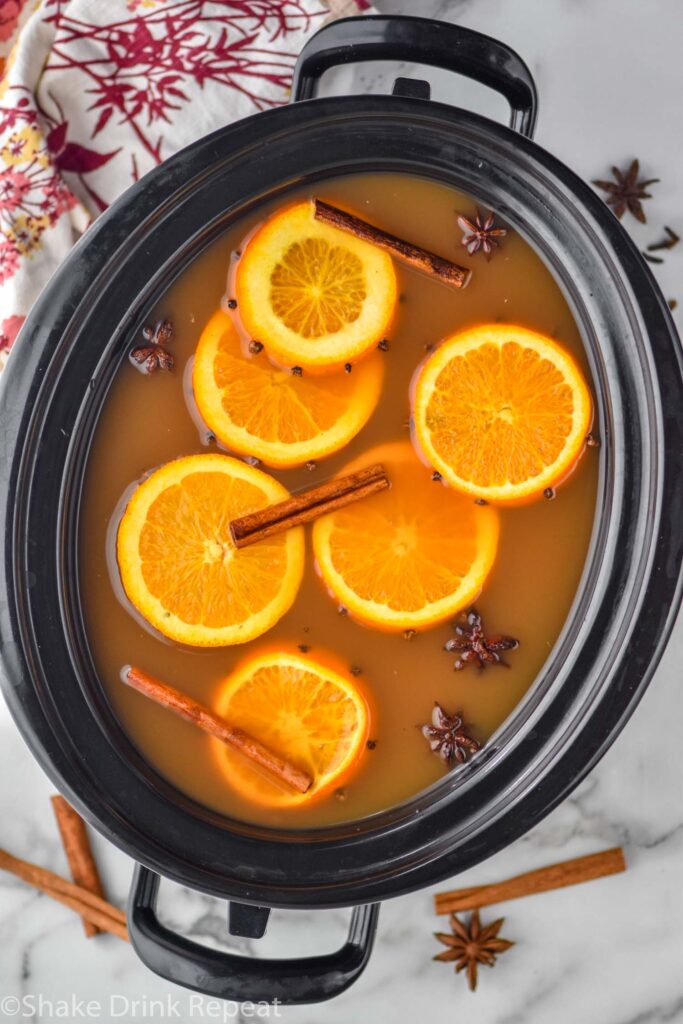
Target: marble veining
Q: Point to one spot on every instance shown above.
(610, 81)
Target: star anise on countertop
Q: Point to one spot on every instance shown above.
(625, 192)
(480, 234)
(471, 945)
(474, 647)
(447, 737)
(154, 355)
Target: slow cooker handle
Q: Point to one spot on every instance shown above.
(420, 41)
(244, 979)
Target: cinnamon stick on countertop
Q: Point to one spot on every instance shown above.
(308, 505)
(204, 718)
(93, 908)
(78, 852)
(555, 876)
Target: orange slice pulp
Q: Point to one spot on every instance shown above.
(305, 711)
(179, 566)
(315, 296)
(408, 557)
(259, 410)
(501, 412)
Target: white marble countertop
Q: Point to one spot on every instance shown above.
(610, 78)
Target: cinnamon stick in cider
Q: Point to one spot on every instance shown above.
(201, 716)
(414, 256)
(308, 505)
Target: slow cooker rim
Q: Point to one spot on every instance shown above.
(393, 108)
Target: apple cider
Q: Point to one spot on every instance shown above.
(458, 606)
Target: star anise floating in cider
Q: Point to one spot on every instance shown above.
(480, 234)
(474, 647)
(470, 945)
(155, 355)
(625, 192)
(447, 737)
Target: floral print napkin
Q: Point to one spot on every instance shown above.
(94, 93)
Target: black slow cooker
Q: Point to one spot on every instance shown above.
(53, 391)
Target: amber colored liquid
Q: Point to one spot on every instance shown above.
(146, 422)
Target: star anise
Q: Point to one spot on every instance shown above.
(154, 355)
(447, 737)
(626, 191)
(480, 234)
(474, 647)
(471, 945)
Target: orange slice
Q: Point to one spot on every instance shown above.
(259, 410)
(179, 566)
(408, 557)
(501, 412)
(302, 710)
(315, 296)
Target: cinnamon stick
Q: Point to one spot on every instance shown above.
(90, 906)
(556, 876)
(78, 852)
(415, 256)
(201, 716)
(308, 505)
